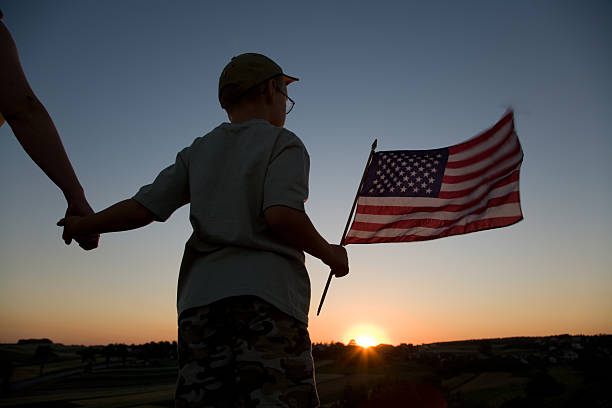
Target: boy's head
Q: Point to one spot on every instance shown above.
(253, 86)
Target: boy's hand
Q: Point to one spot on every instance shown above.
(71, 229)
(337, 261)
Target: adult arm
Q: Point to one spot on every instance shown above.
(294, 227)
(36, 132)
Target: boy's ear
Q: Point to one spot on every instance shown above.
(270, 91)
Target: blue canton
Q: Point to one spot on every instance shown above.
(405, 173)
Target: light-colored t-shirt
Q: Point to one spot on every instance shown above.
(229, 177)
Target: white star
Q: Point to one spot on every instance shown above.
(416, 189)
(384, 166)
(431, 179)
(428, 165)
(421, 169)
(403, 163)
(436, 162)
(403, 189)
(433, 170)
(426, 174)
(399, 183)
(424, 185)
(418, 179)
(411, 184)
(413, 173)
(392, 189)
(371, 190)
(411, 159)
(428, 191)
(401, 173)
(375, 182)
(438, 156)
(378, 172)
(405, 178)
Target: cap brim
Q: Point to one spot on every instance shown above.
(289, 79)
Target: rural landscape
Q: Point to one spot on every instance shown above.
(556, 371)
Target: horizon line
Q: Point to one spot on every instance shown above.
(45, 339)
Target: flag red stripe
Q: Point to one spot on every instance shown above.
(480, 156)
(468, 191)
(435, 223)
(474, 226)
(482, 137)
(465, 177)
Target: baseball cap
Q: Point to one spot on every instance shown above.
(245, 71)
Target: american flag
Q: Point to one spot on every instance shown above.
(417, 195)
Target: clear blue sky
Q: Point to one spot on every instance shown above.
(128, 84)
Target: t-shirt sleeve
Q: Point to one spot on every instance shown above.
(286, 181)
(168, 192)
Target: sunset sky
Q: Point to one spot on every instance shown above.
(129, 84)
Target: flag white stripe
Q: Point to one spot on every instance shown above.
(438, 215)
(486, 144)
(508, 210)
(506, 148)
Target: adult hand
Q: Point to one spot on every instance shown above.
(338, 260)
(80, 207)
(71, 228)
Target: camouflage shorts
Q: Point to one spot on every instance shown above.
(243, 352)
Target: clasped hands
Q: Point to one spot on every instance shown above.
(76, 209)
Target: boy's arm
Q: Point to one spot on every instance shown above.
(295, 228)
(125, 215)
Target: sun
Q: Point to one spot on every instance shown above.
(366, 341)
(365, 335)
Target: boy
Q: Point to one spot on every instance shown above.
(243, 290)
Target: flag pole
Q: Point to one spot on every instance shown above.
(348, 222)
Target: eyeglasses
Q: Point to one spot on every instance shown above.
(290, 102)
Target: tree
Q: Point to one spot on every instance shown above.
(108, 351)
(88, 355)
(42, 354)
(121, 351)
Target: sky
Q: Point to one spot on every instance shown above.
(129, 84)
